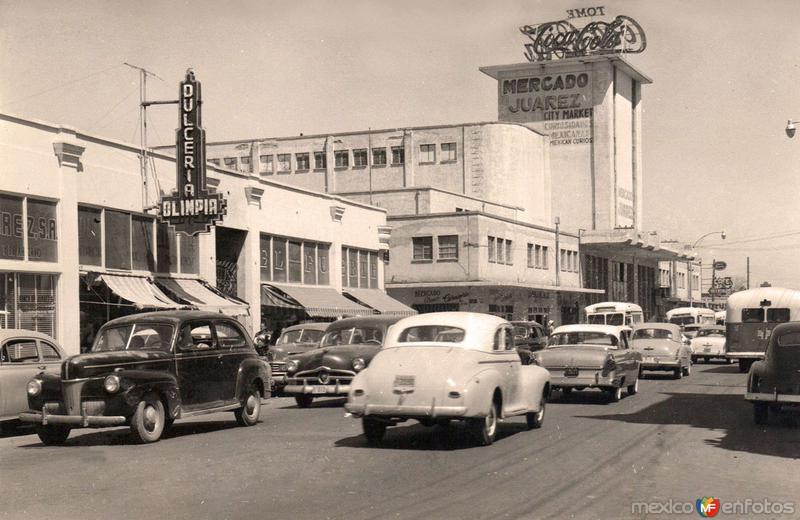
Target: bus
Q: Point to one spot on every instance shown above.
(720, 317)
(750, 317)
(613, 313)
(690, 319)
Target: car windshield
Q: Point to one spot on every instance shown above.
(615, 318)
(520, 332)
(353, 336)
(582, 338)
(652, 334)
(139, 336)
(431, 334)
(300, 336)
(682, 320)
(710, 333)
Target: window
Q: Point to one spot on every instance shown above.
(448, 152)
(197, 336)
(509, 254)
(89, 243)
(309, 263)
(244, 162)
(230, 162)
(215, 162)
(48, 351)
(492, 249)
(303, 161)
(190, 254)
(432, 334)
(777, 315)
(40, 227)
(360, 158)
(142, 241)
(284, 163)
(342, 158)
(295, 262)
(373, 270)
(563, 260)
(427, 153)
(531, 256)
(448, 247)
(29, 302)
(20, 351)
(398, 155)
(363, 269)
(501, 251)
(278, 259)
(379, 156)
(266, 165)
(265, 257)
(755, 315)
(320, 160)
(118, 240)
(423, 248)
(229, 336)
(545, 259)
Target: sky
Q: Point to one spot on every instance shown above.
(715, 156)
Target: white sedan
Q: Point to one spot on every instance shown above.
(449, 365)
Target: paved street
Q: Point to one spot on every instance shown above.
(676, 440)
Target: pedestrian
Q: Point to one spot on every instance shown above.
(550, 327)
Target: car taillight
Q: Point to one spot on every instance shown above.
(609, 365)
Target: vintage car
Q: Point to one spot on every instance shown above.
(662, 348)
(346, 348)
(296, 339)
(448, 365)
(709, 343)
(529, 336)
(690, 330)
(591, 356)
(146, 371)
(774, 382)
(23, 354)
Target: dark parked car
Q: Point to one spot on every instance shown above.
(296, 339)
(774, 382)
(346, 348)
(147, 370)
(529, 336)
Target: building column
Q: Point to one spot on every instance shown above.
(249, 281)
(409, 159)
(330, 162)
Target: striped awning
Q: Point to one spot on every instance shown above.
(199, 294)
(139, 291)
(321, 302)
(380, 301)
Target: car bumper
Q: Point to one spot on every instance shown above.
(84, 421)
(745, 355)
(337, 389)
(388, 410)
(659, 364)
(772, 398)
(589, 379)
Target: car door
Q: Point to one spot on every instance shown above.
(19, 362)
(625, 357)
(197, 365)
(234, 349)
(511, 365)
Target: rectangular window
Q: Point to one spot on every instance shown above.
(423, 248)
(352, 267)
(379, 156)
(284, 163)
(12, 239)
(501, 251)
(118, 240)
(360, 157)
(363, 269)
(230, 162)
(342, 158)
(427, 153)
(777, 315)
(215, 162)
(244, 162)
(295, 262)
(373, 270)
(545, 257)
(190, 255)
(754, 315)
(89, 240)
(143, 250)
(344, 267)
(278, 259)
(448, 152)
(509, 253)
(530, 256)
(563, 261)
(42, 231)
(303, 161)
(448, 247)
(265, 257)
(266, 165)
(323, 264)
(320, 160)
(309, 263)
(492, 249)
(398, 155)
(167, 249)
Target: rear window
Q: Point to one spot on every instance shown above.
(652, 334)
(582, 338)
(431, 334)
(792, 339)
(777, 315)
(682, 320)
(520, 332)
(753, 315)
(710, 333)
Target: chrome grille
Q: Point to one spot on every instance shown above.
(71, 394)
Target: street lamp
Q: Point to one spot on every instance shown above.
(691, 266)
(790, 128)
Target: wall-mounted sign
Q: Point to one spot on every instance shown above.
(553, 40)
(191, 209)
(719, 265)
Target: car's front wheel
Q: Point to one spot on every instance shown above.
(304, 400)
(536, 419)
(52, 434)
(614, 394)
(484, 429)
(760, 413)
(248, 414)
(147, 423)
(374, 430)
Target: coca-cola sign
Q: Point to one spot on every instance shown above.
(555, 40)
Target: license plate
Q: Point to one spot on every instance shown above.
(319, 389)
(651, 360)
(571, 372)
(404, 383)
(707, 349)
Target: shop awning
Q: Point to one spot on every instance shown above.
(201, 295)
(138, 290)
(320, 302)
(380, 301)
(272, 297)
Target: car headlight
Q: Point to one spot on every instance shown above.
(358, 364)
(111, 384)
(291, 365)
(34, 387)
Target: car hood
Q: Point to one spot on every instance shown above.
(655, 347)
(572, 356)
(100, 363)
(338, 357)
(279, 353)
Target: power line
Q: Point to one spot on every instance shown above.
(746, 240)
(61, 85)
(108, 112)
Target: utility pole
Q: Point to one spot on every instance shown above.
(558, 253)
(748, 272)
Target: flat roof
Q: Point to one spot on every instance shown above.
(542, 66)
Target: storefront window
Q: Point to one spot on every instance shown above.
(363, 269)
(190, 256)
(167, 250)
(309, 263)
(42, 231)
(323, 264)
(352, 267)
(344, 267)
(279, 259)
(295, 262)
(142, 241)
(118, 240)
(89, 241)
(373, 270)
(27, 301)
(266, 258)
(11, 228)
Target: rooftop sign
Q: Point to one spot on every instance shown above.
(555, 40)
(191, 208)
